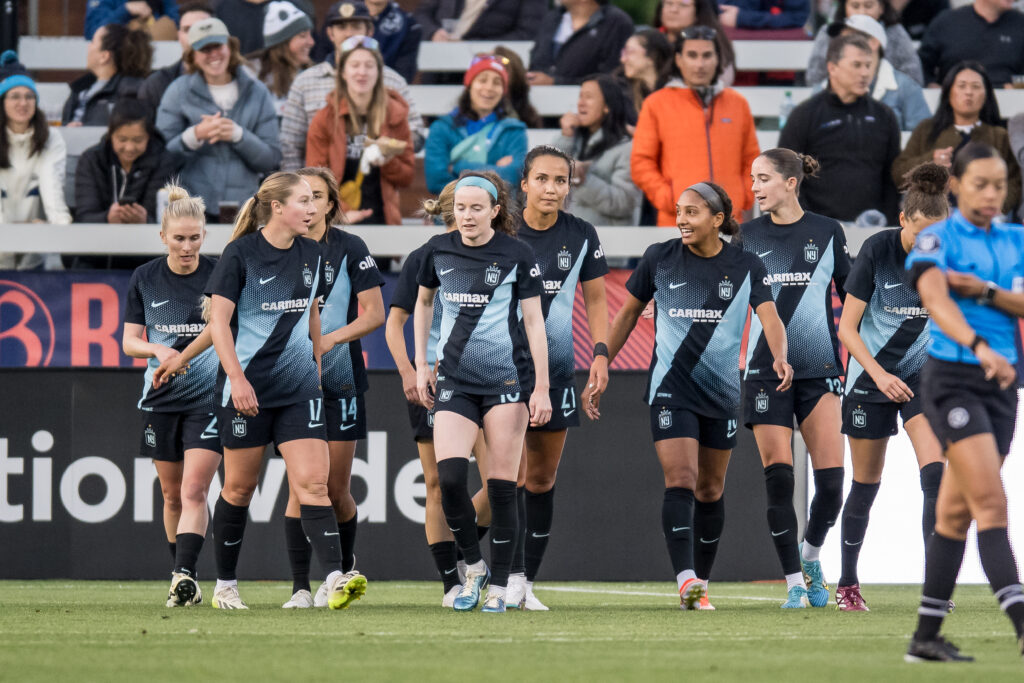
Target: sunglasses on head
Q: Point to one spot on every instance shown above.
(360, 41)
(699, 33)
(504, 61)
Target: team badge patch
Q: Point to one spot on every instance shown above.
(665, 418)
(492, 274)
(446, 395)
(564, 259)
(328, 273)
(430, 420)
(725, 289)
(307, 276)
(860, 418)
(811, 252)
(239, 427)
(761, 402)
(150, 437)
(928, 243)
(958, 418)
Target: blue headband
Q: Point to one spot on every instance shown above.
(477, 181)
(15, 81)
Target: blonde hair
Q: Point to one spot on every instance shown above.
(443, 205)
(181, 205)
(256, 210)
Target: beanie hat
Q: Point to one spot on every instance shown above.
(13, 74)
(282, 21)
(483, 63)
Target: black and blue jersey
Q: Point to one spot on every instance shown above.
(405, 293)
(568, 253)
(802, 260)
(272, 290)
(700, 309)
(482, 347)
(894, 326)
(348, 270)
(171, 307)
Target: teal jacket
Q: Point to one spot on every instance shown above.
(508, 139)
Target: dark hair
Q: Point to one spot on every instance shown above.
(518, 88)
(889, 16)
(614, 124)
(838, 45)
(925, 186)
(723, 48)
(943, 117)
(335, 216)
(791, 164)
(131, 50)
(197, 6)
(276, 63)
(40, 133)
(235, 58)
(128, 111)
(505, 221)
(546, 151)
(659, 51)
(465, 107)
(729, 225)
(707, 15)
(972, 151)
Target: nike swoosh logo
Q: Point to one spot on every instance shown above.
(536, 535)
(507, 540)
(449, 571)
(713, 540)
(675, 285)
(680, 528)
(780, 533)
(233, 542)
(315, 424)
(344, 427)
(332, 534)
(567, 413)
(204, 435)
(156, 304)
(765, 253)
(855, 544)
(888, 286)
(445, 272)
(265, 281)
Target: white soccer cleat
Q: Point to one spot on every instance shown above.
(530, 602)
(515, 592)
(227, 597)
(461, 567)
(449, 598)
(345, 589)
(184, 591)
(300, 600)
(320, 599)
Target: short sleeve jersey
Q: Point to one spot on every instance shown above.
(894, 326)
(568, 252)
(405, 293)
(348, 270)
(802, 259)
(171, 308)
(482, 346)
(272, 290)
(700, 310)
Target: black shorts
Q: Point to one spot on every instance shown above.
(278, 425)
(346, 418)
(864, 420)
(166, 436)
(564, 411)
(680, 423)
(473, 406)
(959, 402)
(422, 422)
(763, 405)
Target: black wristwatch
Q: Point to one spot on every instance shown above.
(978, 339)
(990, 292)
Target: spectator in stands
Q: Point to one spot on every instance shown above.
(308, 93)
(518, 87)
(157, 17)
(152, 89)
(576, 39)
(118, 59)
(765, 14)
(245, 18)
(398, 34)
(479, 19)
(694, 129)
(854, 138)
(899, 48)
(480, 133)
(646, 64)
(220, 119)
(672, 16)
(967, 112)
(916, 15)
(1016, 130)
(988, 32)
(287, 40)
(890, 87)
(362, 135)
(32, 162)
(597, 136)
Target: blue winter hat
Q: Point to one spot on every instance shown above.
(14, 74)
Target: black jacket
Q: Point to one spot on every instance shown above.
(499, 20)
(99, 179)
(962, 34)
(855, 145)
(244, 20)
(97, 109)
(152, 89)
(595, 48)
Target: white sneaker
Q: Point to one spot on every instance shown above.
(515, 592)
(345, 589)
(530, 601)
(227, 597)
(320, 599)
(461, 566)
(449, 598)
(184, 591)
(300, 600)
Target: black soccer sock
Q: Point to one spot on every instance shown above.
(348, 542)
(173, 547)
(708, 522)
(1001, 569)
(856, 512)
(504, 522)
(943, 557)
(677, 523)
(299, 553)
(519, 554)
(931, 477)
(540, 509)
(447, 565)
(826, 504)
(228, 531)
(481, 531)
(187, 553)
(778, 484)
(453, 475)
(321, 529)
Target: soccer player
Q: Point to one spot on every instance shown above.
(569, 253)
(804, 254)
(490, 366)
(266, 329)
(163, 316)
(884, 329)
(702, 289)
(969, 271)
(351, 282)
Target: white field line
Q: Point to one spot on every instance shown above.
(715, 596)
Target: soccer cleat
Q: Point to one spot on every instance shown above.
(705, 602)
(320, 599)
(848, 599)
(345, 589)
(690, 594)
(797, 598)
(494, 604)
(530, 602)
(469, 596)
(300, 600)
(937, 650)
(184, 591)
(817, 589)
(449, 598)
(950, 606)
(515, 592)
(227, 597)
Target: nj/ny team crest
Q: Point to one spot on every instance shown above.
(761, 401)
(725, 289)
(564, 259)
(860, 418)
(150, 437)
(446, 395)
(811, 252)
(328, 273)
(492, 274)
(307, 276)
(665, 418)
(238, 426)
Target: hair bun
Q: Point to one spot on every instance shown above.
(175, 192)
(809, 164)
(432, 207)
(928, 178)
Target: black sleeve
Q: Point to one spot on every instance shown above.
(890, 195)
(930, 52)
(321, 273)
(641, 283)
(861, 281)
(794, 135)
(528, 282)
(760, 290)
(92, 195)
(409, 52)
(841, 257)
(362, 269)
(404, 294)
(134, 306)
(594, 263)
(426, 15)
(542, 56)
(619, 30)
(427, 276)
(228, 277)
(531, 13)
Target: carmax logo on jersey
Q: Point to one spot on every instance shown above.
(698, 314)
(787, 279)
(289, 306)
(467, 298)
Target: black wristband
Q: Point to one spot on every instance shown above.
(600, 349)
(978, 339)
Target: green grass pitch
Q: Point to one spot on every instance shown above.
(110, 631)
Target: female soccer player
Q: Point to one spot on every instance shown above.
(490, 364)
(351, 282)
(266, 330)
(163, 316)
(569, 253)
(969, 271)
(883, 328)
(804, 254)
(702, 288)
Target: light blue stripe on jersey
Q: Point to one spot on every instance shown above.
(435, 331)
(718, 382)
(558, 324)
(668, 337)
(296, 359)
(338, 361)
(873, 340)
(490, 339)
(444, 330)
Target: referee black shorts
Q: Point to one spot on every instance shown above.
(959, 402)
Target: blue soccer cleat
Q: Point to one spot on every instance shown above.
(817, 589)
(797, 598)
(469, 597)
(494, 604)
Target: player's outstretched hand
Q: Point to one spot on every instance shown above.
(425, 386)
(894, 388)
(540, 408)
(412, 394)
(592, 400)
(244, 397)
(168, 369)
(785, 373)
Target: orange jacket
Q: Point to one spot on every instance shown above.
(678, 143)
(326, 144)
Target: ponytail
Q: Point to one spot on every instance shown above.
(256, 210)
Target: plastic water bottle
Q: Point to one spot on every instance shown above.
(785, 109)
(162, 197)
